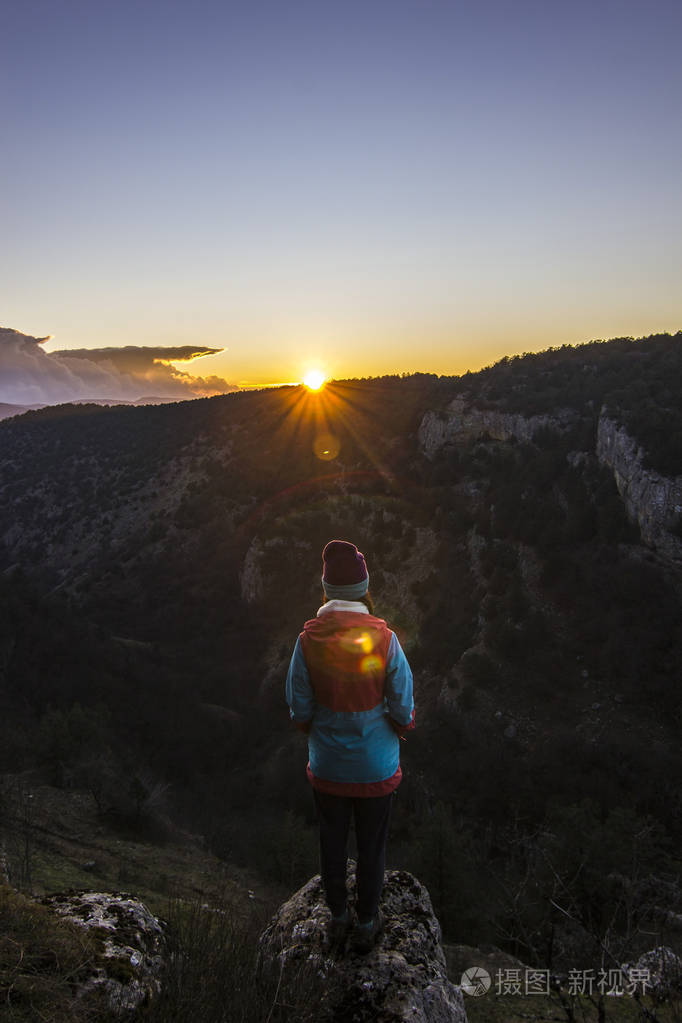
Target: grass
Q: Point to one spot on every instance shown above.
(555, 1007)
(66, 833)
(55, 841)
(214, 974)
(493, 1008)
(212, 971)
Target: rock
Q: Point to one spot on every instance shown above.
(403, 978)
(461, 422)
(651, 500)
(132, 945)
(662, 968)
(251, 576)
(255, 572)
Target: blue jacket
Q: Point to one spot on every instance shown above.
(350, 687)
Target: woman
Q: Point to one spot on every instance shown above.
(349, 687)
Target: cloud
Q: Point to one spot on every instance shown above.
(133, 358)
(30, 375)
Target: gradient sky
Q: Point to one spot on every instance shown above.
(371, 186)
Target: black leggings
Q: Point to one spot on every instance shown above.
(371, 829)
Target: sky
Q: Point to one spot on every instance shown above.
(366, 186)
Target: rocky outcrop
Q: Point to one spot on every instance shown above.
(251, 576)
(460, 422)
(403, 978)
(660, 971)
(261, 553)
(130, 941)
(651, 500)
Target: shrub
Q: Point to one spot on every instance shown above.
(213, 973)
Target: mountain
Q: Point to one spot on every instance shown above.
(522, 531)
(7, 410)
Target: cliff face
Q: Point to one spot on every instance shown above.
(462, 422)
(653, 501)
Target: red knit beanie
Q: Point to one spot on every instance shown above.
(344, 572)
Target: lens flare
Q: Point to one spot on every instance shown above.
(371, 663)
(357, 641)
(314, 379)
(326, 446)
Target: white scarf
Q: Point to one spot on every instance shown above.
(343, 605)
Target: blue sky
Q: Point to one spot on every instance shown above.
(368, 186)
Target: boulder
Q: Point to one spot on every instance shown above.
(662, 970)
(403, 978)
(131, 945)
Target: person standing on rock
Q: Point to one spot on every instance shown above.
(349, 688)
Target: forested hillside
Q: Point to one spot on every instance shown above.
(158, 563)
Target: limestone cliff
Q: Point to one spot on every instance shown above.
(253, 574)
(460, 421)
(651, 500)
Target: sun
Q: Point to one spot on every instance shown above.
(314, 379)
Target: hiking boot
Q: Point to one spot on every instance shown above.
(365, 935)
(338, 928)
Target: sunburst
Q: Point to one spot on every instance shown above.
(314, 379)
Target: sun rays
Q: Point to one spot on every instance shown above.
(330, 429)
(314, 379)
(326, 417)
